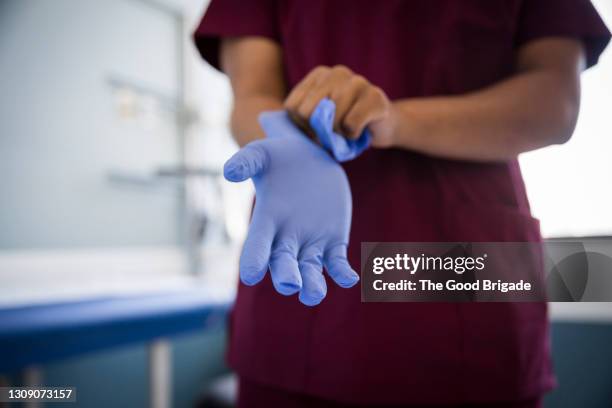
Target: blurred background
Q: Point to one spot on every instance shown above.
(113, 133)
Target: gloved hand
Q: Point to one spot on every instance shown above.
(302, 214)
(343, 149)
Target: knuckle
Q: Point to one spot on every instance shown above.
(321, 69)
(282, 249)
(358, 80)
(376, 97)
(313, 262)
(342, 70)
(376, 91)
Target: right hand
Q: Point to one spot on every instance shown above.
(359, 103)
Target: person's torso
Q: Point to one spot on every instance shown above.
(411, 352)
(409, 48)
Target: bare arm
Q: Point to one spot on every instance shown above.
(254, 66)
(536, 107)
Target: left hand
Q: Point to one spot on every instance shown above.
(359, 103)
(293, 231)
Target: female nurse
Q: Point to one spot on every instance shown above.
(451, 91)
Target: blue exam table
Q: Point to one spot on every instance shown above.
(42, 333)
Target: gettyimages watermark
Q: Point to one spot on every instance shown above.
(553, 271)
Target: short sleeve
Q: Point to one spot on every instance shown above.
(565, 18)
(234, 18)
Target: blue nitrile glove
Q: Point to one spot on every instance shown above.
(343, 149)
(302, 214)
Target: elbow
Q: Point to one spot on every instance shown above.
(567, 119)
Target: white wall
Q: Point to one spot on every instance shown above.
(61, 133)
(65, 229)
(209, 140)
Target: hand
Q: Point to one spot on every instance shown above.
(302, 214)
(358, 103)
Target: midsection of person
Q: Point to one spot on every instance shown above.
(441, 180)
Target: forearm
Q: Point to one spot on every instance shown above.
(244, 124)
(523, 113)
(254, 67)
(536, 107)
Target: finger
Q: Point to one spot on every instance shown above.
(335, 78)
(284, 270)
(314, 287)
(369, 107)
(303, 87)
(248, 162)
(255, 255)
(338, 268)
(346, 96)
(303, 125)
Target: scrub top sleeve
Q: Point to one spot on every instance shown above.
(563, 18)
(234, 18)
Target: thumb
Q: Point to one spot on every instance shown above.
(248, 162)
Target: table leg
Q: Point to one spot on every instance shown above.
(32, 377)
(160, 374)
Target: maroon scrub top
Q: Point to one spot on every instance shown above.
(445, 353)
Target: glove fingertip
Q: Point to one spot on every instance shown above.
(349, 281)
(287, 288)
(251, 276)
(234, 170)
(310, 300)
(345, 277)
(313, 294)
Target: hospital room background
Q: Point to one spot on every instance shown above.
(119, 238)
